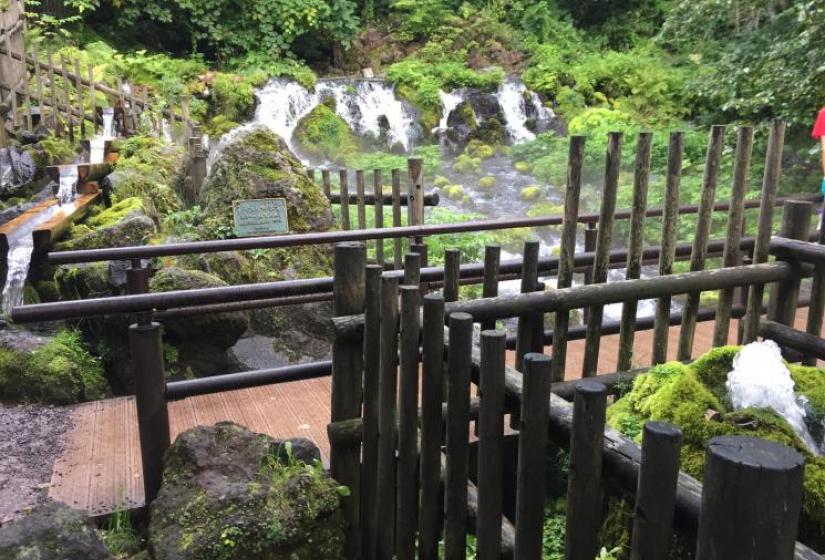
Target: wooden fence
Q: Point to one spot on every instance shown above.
(63, 94)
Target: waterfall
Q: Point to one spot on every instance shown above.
(449, 101)
(374, 100)
(512, 100)
(760, 379)
(282, 103)
(98, 143)
(21, 243)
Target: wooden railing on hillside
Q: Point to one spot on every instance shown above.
(63, 93)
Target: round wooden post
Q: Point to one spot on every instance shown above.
(452, 272)
(492, 263)
(347, 375)
(656, 493)
(343, 190)
(459, 367)
(412, 269)
(584, 480)
(415, 193)
(796, 223)
(532, 457)
(528, 323)
(751, 499)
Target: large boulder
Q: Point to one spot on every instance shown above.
(231, 494)
(256, 163)
(52, 532)
(125, 224)
(201, 340)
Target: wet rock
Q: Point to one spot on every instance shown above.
(17, 170)
(52, 532)
(127, 223)
(230, 494)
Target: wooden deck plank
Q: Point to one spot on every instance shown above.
(100, 468)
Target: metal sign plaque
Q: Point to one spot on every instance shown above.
(263, 216)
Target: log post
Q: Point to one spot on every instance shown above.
(492, 263)
(343, 189)
(347, 375)
(452, 271)
(415, 194)
(372, 345)
(796, 222)
(398, 251)
(378, 193)
(527, 324)
(751, 499)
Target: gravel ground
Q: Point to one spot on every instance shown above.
(31, 438)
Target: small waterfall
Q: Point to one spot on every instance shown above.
(375, 100)
(760, 379)
(21, 243)
(512, 100)
(98, 143)
(449, 101)
(282, 103)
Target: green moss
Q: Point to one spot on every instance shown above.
(622, 417)
(617, 526)
(712, 369)
(454, 192)
(324, 134)
(440, 181)
(117, 213)
(522, 166)
(545, 208)
(60, 372)
(233, 96)
(487, 182)
(810, 382)
(466, 164)
(478, 149)
(531, 193)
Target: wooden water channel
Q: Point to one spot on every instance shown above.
(375, 334)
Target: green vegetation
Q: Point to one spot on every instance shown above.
(323, 134)
(59, 372)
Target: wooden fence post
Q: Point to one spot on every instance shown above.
(360, 191)
(396, 218)
(656, 492)
(796, 223)
(378, 193)
(343, 190)
(81, 109)
(585, 475)
(670, 227)
(492, 263)
(452, 273)
(415, 194)
(751, 499)
(490, 445)
(325, 181)
(197, 164)
(761, 249)
(459, 367)
(432, 380)
(347, 374)
(700, 240)
(58, 128)
(528, 323)
(532, 457)
(372, 345)
(67, 97)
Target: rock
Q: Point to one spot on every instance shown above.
(201, 340)
(230, 266)
(227, 496)
(52, 532)
(324, 135)
(522, 166)
(461, 124)
(487, 182)
(297, 449)
(17, 170)
(256, 163)
(531, 193)
(454, 192)
(125, 224)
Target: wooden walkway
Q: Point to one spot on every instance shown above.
(99, 469)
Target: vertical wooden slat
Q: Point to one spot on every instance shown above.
(407, 487)
(611, 186)
(490, 445)
(53, 85)
(378, 192)
(816, 310)
(528, 323)
(360, 190)
(325, 180)
(27, 98)
(67, 97)
(12, 90)
(343, 190)
(372, 345)
(585, 473)
(567, 250)
(347, 378)
(492, 262)
(532, 457)
(459, 367)
(432, 380)
(39, 79)
(412, 269)
(736, 221)
(670, 228)
(452, 271)
(591, 235)
(93, 95)
(415, 193)
(796, 222)
(641, 180)
(699, 251)
(384, 513)
(78, 86)
(396, 217)
(770, 184)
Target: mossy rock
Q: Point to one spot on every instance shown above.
(545, 208)
(59, 371)
(713, 367)
(83, 281)
(466, 164)
(487, 182)
(531, 193)
(52, 532)
(231, 494)
(258, 164)
(454, 192)
(440, 181)
(123, 225)
(480, 150)
(522, 167)
(232, 267)
(325, 135)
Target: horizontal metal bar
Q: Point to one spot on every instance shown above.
(429, 199)
(178, 390)
(579, 297)
(319, 238)
(167, 300)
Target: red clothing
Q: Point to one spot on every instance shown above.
(819, 126)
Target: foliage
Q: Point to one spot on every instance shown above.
(325, 135)
(119, 535)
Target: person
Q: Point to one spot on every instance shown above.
(819, 134)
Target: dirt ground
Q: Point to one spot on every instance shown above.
(30, 440)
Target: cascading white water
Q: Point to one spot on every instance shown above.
(374, 100)
(760, 379)
(449, 101)
(21, 243)
(513, 102)
(281, 105)
(98, 143)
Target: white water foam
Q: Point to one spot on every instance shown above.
(760, 379)
(512, 100)
(98, 143)
(449, 101)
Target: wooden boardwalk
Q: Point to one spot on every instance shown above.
(99, 469)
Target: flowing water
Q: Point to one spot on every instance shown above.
(98, 143)
(513, 99)
(21, 243)
(760, 379)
